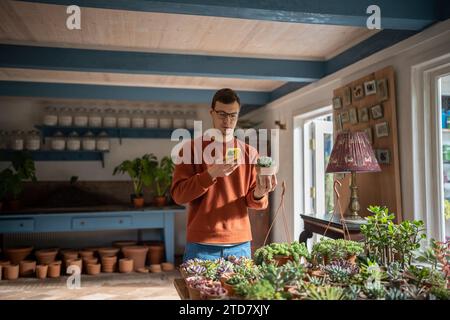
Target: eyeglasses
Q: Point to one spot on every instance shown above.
(223, 115)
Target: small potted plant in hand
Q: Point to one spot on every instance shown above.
(140, 172)
(162, 180)
(265, 166)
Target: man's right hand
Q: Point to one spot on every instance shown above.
(221, 170)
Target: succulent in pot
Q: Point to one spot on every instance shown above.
(265, 166)
(213, 291)
(341, 271)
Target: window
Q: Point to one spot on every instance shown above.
(443, 85)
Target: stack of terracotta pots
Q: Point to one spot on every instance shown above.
(109, 264)
(155, 252)
(46, 256)
(15, 255)
(136, 253)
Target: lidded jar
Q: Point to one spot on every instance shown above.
(123, 119)
(58, 141)
(33, 140)
(80, 117)
(88, 143)
(73, 142)
(151, 119)
(103, 141)
(50, 116)
(65, 117)
(137, 119)
(17, 140)
(110, 118)
(165, 120)
(95, 118)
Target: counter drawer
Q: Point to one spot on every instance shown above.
(16, 225)
(102, 223)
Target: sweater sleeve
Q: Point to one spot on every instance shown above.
(188, 185)
(250, 198)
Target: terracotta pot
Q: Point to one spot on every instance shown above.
(54, 269)
(155, 268)
(70, 255)
(108, 252)
(15, 255)
(5, 262)
(229, 288)
(124, 243)
(224, 277)
(87, 261)
(142, 270)
(11, 271)
(282, 260)
(74, 262)
(206, 296)
(109, 264)
(352, 259)
(126, 265)
(155, 253)
(86, 254)
(93, 269)
(160, 201)
(27, 268)
(41, 271)
(167, 266)
(46, 256)
(138, 202)
(137, 253)
(14, 205)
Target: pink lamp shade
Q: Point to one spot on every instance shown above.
(352, 152)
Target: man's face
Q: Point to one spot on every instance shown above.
(225, 116)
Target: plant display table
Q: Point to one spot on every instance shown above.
(94, 219)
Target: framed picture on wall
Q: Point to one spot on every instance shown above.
(353, 115)
(338, 123)
(370, 87)
(368, 131)
(344, 117)
(382, 90)
(358, 92)
(383, 156)
(363, 115)
(382, 129)
(337, 103)
(347, 99)
(377, 112)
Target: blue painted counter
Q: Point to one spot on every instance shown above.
(95, 219)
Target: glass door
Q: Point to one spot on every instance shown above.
(444, 101)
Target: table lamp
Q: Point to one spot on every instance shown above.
(353, 153)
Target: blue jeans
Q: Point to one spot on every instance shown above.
(211, 252)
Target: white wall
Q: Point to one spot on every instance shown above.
(23, 114)
(428, 45)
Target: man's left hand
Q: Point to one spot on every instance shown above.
(264, 185)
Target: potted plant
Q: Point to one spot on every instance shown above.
(11, 179)
(265, 166)
(140, 171)
(162, 180)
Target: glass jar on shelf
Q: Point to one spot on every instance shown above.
(191, 116)
(88, 143)
(73, 141)
(123, 119)
(137, 119)
(110, 118)
(165, 120)
(151, 119)
(17, 140)
(103, 141)
(58, 142)
(50, 116)
(65, 117)
(80, 117)
(33, 140)
(178, 119)
(95, 118)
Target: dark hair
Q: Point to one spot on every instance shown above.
(226, 96)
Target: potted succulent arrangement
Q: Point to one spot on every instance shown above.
(281, 253)
(162, 180)
(265, 166)
(140, 171)
(330, 249)
(11, 179)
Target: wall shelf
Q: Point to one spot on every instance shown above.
(121, 133)
(53, 155)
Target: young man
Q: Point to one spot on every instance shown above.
(220, 193)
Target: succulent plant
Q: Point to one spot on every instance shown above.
(395, 271)
(353, 292)
(261, 290)
(264, 161)
(325, 293)
(266, 254)
(439, 293)
(340, 271)
(236, 279)
(213, 289)
(395, 294)
(336, 249)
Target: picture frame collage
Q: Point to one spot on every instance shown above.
(349, 115)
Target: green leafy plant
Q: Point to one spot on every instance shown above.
(295, 250)
(395, 294)
(264, 162)
(140, 171)
(263, 290)
(11, 179)
(162, 176)
(330, 249)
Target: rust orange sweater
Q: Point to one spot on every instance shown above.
(218, 208)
